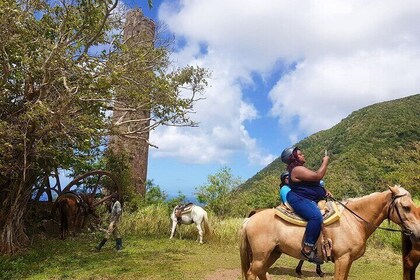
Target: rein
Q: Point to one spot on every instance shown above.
(392, 206)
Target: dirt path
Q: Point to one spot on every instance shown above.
(274, 274)
(222, 274)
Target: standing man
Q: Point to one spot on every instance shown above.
(116, 211)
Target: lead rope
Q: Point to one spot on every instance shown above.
(378, 227)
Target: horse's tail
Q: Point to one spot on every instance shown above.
(64, 222)
(244, 251)
(207, 230)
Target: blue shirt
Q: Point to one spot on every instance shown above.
(283, 193)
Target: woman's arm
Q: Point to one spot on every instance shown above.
(301, 173)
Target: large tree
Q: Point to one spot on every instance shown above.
(63, 63)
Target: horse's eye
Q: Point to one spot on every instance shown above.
(406, 208)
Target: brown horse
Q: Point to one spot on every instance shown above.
(73, 209)
(264, 237)
(411, 255)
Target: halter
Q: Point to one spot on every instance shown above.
(391, 207)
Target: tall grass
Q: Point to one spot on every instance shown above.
(154, 221)
(386, 239)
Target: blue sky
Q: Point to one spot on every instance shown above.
(281, 71)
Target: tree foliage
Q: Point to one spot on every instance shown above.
(64, 67)
(215, 194)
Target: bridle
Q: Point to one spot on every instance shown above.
(392, 206)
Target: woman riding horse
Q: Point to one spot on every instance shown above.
(265, 236)
(305, 192)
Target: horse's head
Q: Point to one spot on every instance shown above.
(404, 212)
(89, 200)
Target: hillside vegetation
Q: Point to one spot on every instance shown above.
(372, 148)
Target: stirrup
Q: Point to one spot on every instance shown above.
(312, 257)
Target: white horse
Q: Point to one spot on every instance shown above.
(188, 215)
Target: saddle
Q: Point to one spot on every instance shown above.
(83, 206)
(182, 209)
(331, 212)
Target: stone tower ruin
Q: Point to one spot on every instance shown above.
(138, 30)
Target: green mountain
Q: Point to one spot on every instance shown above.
(372, 148)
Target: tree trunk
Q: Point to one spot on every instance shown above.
(13, 235)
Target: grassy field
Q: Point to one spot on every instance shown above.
(149, 254)
(162, 258)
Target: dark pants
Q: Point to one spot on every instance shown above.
(308, 210)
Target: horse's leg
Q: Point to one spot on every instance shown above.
(174, 223)
(342, 268)
(406, 269)
(72, 226)
(200, 232)
(64, 225)
(409, 273)
(63, 229)
(410, 263)
(275, 254)
(78, 223)
(319, 271)
(299, 268)
(259, 265)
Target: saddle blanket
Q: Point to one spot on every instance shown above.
(183, 209)
(331, 214)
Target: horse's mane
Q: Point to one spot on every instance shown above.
(360, 199)
(402, 191)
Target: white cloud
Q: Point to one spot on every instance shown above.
(342, 55)
(322, 92)
(220, 133)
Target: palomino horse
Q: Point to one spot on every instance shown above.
(73, 209)
(298, 268)
(264, 237)
(411, 255)
(187, 215)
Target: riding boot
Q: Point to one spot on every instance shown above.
(102, 243)
(312, 257)
(118, 242)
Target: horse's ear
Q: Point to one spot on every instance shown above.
(394, 189)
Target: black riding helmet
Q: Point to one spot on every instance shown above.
(286, 154)
(283, 177)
